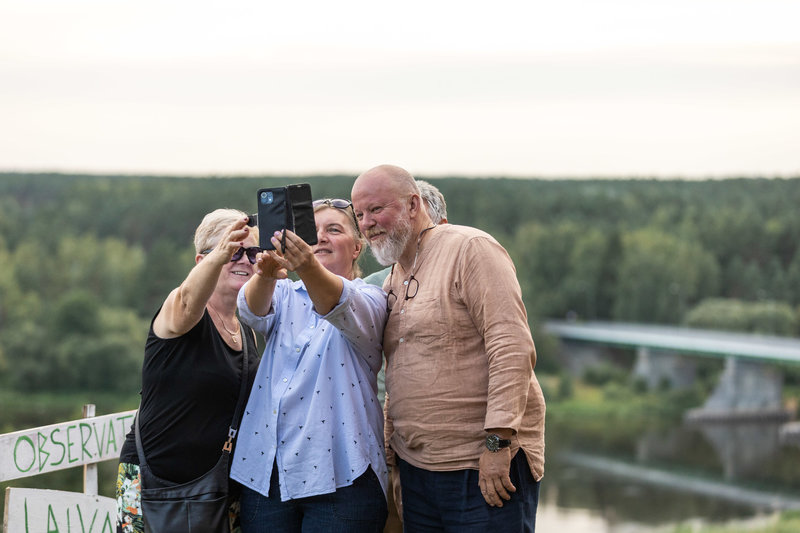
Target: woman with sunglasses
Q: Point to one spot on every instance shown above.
(191, 374)
(310, 453)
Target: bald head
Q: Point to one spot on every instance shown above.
(390, 212)
(390, 178)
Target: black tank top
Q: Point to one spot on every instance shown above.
(190, 385)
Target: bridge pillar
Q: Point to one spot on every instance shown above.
(790, 433)
(657, 367)
(742, 447)
(746, 390)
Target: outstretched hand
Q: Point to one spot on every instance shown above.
(268, 266)
(323, 286)
(297, 254)
(231, 240)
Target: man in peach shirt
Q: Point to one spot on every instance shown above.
(465, 413)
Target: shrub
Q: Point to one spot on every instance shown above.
(769, 317)
(605, 373)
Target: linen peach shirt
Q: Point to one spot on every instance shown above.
(460, 355)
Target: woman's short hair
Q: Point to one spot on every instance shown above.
(214, 224)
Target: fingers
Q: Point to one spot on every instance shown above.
(490, 494)
(275, 255)
(238, 231)
(267, 266)
(508, 487)
(494, 491)
(503, 486)
(493, 478)
(295, 251)
(278, 241)
(234, 237)
(292, 241)
(241, 224)
(279, 264)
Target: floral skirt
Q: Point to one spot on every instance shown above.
(129, 502)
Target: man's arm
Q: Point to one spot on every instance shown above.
(494, 299)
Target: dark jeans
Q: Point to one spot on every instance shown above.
(360, 507)
(452, 501)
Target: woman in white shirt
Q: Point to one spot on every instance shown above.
(310, 452)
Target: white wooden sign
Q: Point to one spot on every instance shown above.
(48, 448)
(56, 511)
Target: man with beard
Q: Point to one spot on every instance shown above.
(465, 413)
(436, 206)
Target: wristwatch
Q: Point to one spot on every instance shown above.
(494, 442)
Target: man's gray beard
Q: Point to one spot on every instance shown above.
(391, 248)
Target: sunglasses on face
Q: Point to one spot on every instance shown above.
(251, 252)
(338, 203)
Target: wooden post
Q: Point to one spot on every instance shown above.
(89, 470)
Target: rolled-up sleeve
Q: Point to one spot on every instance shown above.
(262, 324)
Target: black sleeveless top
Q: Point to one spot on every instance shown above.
(190, 386)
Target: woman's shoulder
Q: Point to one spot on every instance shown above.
(364, 292)
(364, 286)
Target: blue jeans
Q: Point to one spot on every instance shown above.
(452, 501)
(360, 507)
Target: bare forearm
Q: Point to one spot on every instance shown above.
(258, 293)
(324, 287)
(199, 285)
(184, 307)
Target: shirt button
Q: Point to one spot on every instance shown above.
(402, 311)
(297, 350)
(285, 380)
(311, 326)
(274, 412)
(402, 339)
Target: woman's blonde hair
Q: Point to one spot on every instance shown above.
(214, 224)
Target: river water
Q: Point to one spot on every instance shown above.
(656, 479)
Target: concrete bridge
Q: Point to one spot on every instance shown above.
(750, 386)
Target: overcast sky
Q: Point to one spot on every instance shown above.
(685, 88)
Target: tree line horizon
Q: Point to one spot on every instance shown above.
(87, 259)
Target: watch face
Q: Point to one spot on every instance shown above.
(494, 442)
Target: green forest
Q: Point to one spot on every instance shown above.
(86, 260)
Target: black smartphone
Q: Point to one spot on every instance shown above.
(289, 208)
(273, 214)
(303, 212)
